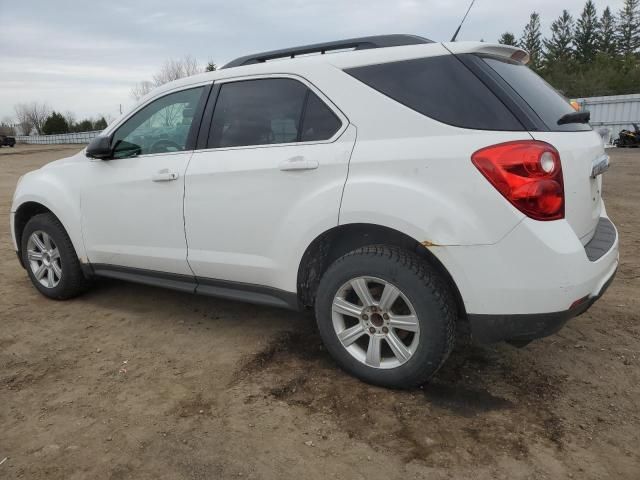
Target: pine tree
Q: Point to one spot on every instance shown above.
(508, 38)
(85, 125)
(531, 40)
(55, 123)
(560, 46)
(607, 33)
(100, 124)
(586, 34)
(628, 35)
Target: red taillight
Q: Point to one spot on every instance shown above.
(528, 173)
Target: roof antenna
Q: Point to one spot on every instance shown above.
(455, 35)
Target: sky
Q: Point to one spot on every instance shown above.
(85, 56)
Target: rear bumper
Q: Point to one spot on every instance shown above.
(527, 327)
(531, 282)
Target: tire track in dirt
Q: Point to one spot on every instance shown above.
(478, 405)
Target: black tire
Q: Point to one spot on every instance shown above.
(72, 281)
(429, 294)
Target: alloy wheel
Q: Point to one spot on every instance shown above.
(44, 259)
(375, 322)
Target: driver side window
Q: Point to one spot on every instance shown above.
(160, 127)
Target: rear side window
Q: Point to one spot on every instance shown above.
(441, 88)
(257, 112)
(269, 111)
(543, 99)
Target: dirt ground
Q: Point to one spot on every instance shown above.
(137, 382)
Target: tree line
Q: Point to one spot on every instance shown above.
(589, 55)
(38, 118)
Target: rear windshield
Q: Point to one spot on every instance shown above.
(442, 88)
(543, 99)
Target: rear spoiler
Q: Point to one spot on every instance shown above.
(495, 49)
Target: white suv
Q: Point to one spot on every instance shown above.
(399, 187)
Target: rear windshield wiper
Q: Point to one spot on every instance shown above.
(575, 117)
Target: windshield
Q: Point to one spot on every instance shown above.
(548, 104)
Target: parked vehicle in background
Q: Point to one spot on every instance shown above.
(8, 141)
(400, 189)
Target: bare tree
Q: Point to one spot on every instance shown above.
(141, 89)
(34, 113)
(171, 69)
(23, 118)
(70, 117)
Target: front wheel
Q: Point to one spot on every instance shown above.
(50, 259)
(386, 316)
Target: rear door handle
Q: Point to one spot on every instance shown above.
(298, 163)
(164, 175)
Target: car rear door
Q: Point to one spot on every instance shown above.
(272, 169)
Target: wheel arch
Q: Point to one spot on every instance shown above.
(25, 212)
(337, 241)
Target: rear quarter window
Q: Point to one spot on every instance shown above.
(442, 88)
(543, 99)
(319, 122)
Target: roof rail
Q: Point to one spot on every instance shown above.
(362, 43)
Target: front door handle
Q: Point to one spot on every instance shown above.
(298, 163)
(164, 175)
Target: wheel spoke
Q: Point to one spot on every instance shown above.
(38, 243)
(361, 288)
(50, 279)
(40, 271)
(350, 335)
(56, 269)
(388, 297)
(373, 351)
(404, 322)
(398, 348)
(34, 256)
(47, 240)
(55, 254)
(340, 305)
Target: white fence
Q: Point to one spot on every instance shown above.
(79, 137)
(616, 112)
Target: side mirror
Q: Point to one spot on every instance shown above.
(100, 148)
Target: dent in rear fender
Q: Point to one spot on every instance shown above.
(47, 190)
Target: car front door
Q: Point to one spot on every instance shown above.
(132, 205)
(272, 173)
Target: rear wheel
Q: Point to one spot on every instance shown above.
(386, 316)
(50, 259)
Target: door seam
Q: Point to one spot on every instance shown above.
(344, 185)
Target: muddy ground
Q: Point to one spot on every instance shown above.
(137, 382)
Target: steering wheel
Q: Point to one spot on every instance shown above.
(162, 146)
